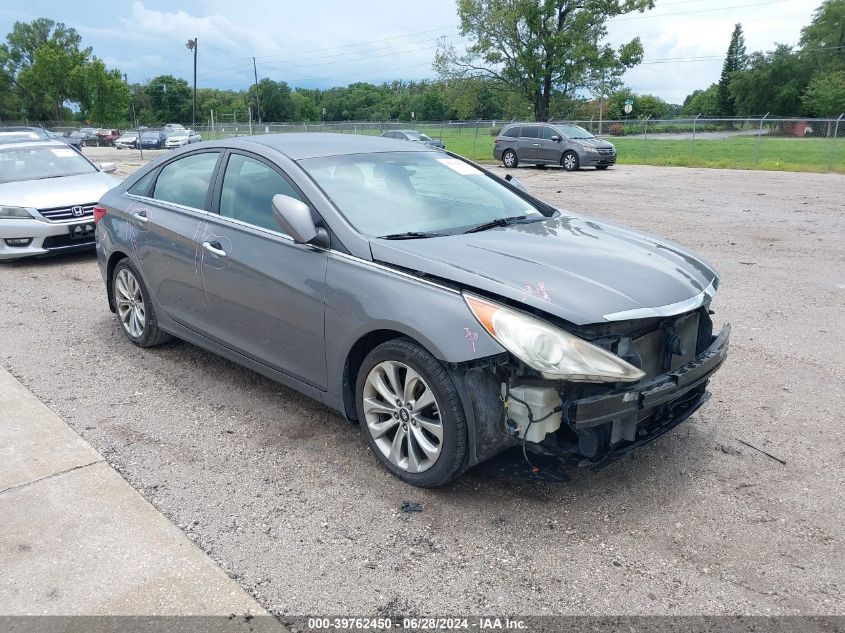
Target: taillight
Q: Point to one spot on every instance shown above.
(99, 213)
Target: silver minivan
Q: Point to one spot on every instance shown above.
(563, 144)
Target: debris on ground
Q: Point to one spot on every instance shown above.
(777, 459)
(411, 506)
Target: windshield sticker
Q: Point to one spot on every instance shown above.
(64, 152)
(538, 291)
(459, 166)
(471, 336)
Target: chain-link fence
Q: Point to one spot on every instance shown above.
(795, 144)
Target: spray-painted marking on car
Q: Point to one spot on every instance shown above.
(539, 291)
(471, 336)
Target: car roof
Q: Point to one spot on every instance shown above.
(44, 143)
(301, 145)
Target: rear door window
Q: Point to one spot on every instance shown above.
(185, 181)
(530, 131)
(549, 132)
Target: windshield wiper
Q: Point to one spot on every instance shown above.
(410, 235)
(495, 223)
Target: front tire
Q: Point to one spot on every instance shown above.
(135, 311)
(602, 167)
(411, 414)
(509, 159)
(569, 161)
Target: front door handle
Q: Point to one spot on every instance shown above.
(141, 216)
(536, 145)
(214, 248)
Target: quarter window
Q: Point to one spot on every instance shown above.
(185, 181)
(248, 189)
(512, 132)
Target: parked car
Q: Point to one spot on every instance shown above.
(64, 137)
(153, 139)
(21, 133)
(85, 138)
(127, 140)
(172, 127)
(416, 137)
(563, 144)
(108, 136)
(48, 191)
(180, 138)
(449, 312)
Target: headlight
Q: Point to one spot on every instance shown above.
(556, 354)
(590, 149)
(14, 213)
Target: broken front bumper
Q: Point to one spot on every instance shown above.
(609, 425)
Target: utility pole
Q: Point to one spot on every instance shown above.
(257, 98)
(192, 46)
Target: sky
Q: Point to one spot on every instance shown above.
(325, 43)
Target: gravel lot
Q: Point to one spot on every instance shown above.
(284, 495)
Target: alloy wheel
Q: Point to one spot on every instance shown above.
(130, 303)
(509, 159)
(402, 416)
(570, 161)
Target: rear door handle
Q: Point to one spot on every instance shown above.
(215, 248)
(536, 144)
(141, 216)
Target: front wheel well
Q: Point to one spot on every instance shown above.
(354, 360)
(114, 259)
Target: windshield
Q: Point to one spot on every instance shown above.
(389, 193)
(153, 135)
(573, 131)
(35, 163)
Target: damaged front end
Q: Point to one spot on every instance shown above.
(592, 423)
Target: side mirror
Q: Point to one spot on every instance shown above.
(515, 182)
(556, 138)
(295, 218)
(108, 168)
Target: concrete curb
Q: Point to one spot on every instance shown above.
(78, 540)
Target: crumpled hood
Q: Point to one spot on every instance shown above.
(49, 193)
(572, 267)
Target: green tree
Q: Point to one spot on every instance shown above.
(825, 96)
(169, 99)
(276, 100)
(103, 95)
(703, 102)
(734, 61)
(824, 37)
(38, 58)
(773, 82)
(539, 47)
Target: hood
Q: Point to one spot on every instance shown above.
(572, 267)
(593, 142)
(57, 192)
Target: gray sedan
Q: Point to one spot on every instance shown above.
(563, 144)
(447, 311)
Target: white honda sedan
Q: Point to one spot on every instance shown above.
(47, 196)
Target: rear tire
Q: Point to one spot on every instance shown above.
(509, 159)
(135, 311)
(411, 414)
(569, 161)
